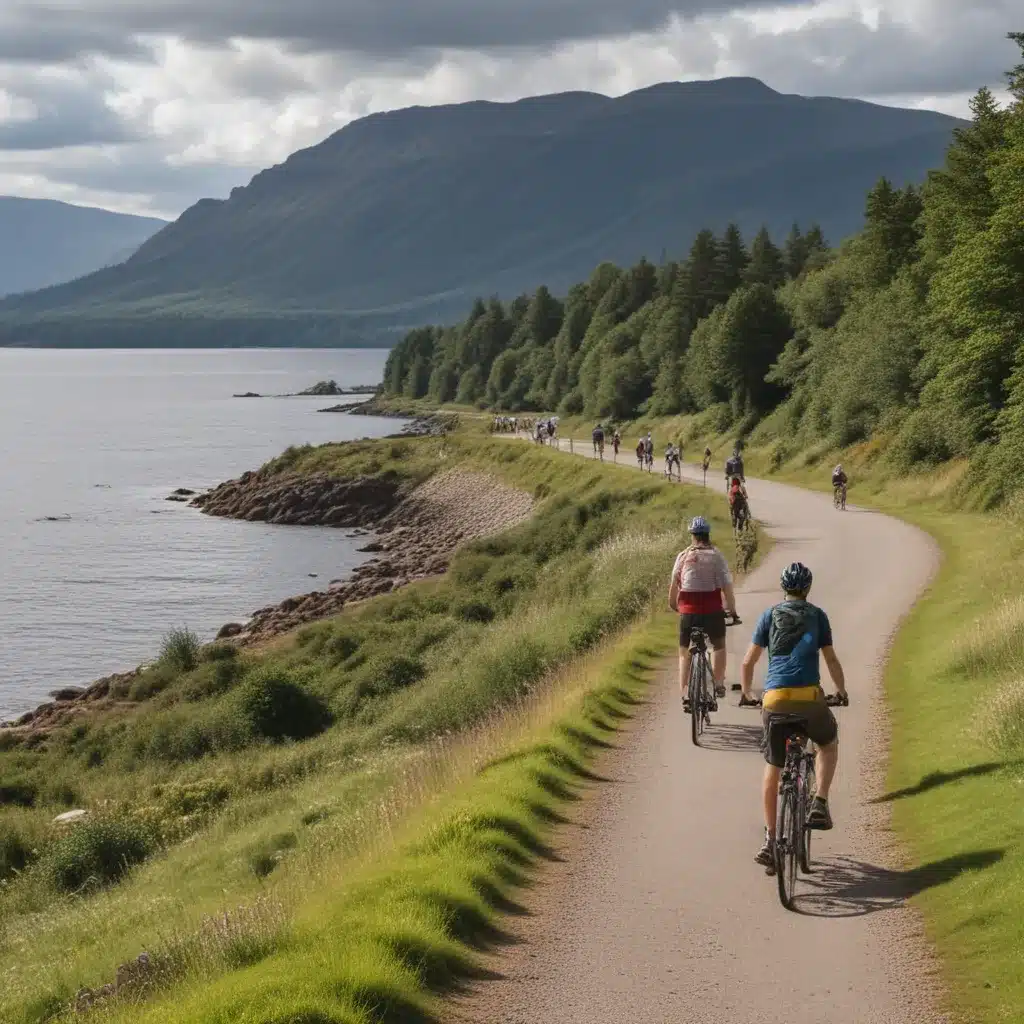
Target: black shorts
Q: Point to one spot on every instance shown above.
(818, 724)
(713, 623)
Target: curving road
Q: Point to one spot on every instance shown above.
(656, 912)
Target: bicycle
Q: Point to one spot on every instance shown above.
(741, 516)
(702, 700)
(599, 449)
(839, 497)
(796, 790)
(649, 462)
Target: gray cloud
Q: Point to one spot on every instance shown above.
(953, 49)
(379, 27)
(66, 115)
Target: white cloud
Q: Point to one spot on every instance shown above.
(152, 122)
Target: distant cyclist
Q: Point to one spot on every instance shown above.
(739, 506)
(700, 580)
(707, 459)
(616, 443)
(640, 449)
(673, 461)
(598, 438)
(734, 467)
(793, 632)
(649, 452)
(839, 482)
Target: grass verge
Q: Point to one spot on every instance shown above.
(382, 940)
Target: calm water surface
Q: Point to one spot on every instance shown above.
(104, 437)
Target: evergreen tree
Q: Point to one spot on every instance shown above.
(733, 259)
(766, 264)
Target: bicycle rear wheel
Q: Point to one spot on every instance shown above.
(698, 698)
(786, 839)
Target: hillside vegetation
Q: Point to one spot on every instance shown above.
(43, 242)
(908, 334)
(228, 782)
(403, 217)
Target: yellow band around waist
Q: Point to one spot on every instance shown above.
(791, 693)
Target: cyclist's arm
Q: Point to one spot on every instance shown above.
(835, 669)
(673, 588)
(750, 659)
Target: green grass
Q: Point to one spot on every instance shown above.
(957, 760)
(382, 941)
(252, 776)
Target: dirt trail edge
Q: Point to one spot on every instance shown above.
(658, 914)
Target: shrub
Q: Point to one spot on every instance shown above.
(274, 706)
(18, 793)
(343, 644)
(15, 851)
(97, 853)
(219, 652)
(180, 650)
(152, 681)
(267, 855)
(475, 611)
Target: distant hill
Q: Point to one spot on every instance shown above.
(44, 242)
(403, 217)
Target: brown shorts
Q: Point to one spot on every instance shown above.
(713, 623)
(818, 724)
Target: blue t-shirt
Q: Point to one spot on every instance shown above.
(800, 630)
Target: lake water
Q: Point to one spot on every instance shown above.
(104, 437)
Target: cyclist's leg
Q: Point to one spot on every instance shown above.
(823, 730)
(685, 656)
(715, 626)
(775, 758)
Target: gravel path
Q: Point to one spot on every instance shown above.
(658, 914)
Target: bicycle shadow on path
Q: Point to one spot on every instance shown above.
(732, 737)
(844, 887)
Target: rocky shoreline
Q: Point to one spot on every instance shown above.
(415, 531)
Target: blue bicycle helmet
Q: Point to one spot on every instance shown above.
(796, 578)
(700, 527)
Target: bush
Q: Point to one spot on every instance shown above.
(274, 706)
(343, 645)
(180, 650)
(266, 856)
(475, 611)
(219, 652)
(18, 793)
(15, 851)
(152, 681)
(97, 853)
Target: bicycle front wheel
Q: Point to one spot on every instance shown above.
(698, 698)
(786, 839)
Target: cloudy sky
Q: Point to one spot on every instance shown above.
(147, 105)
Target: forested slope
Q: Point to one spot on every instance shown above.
(911, 331)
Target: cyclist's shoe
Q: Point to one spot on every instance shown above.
(819, 815)
(687, 706)
(766, 855)
(713, 704)
(719, 689)
(753, 702)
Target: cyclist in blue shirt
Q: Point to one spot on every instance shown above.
(793, 632)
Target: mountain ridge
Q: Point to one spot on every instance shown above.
(58, 241)
(402, 216)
